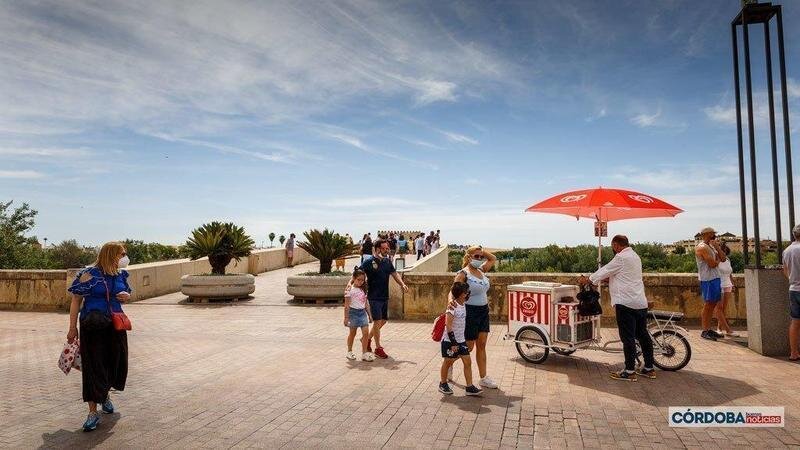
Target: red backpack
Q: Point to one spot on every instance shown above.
(438, 327)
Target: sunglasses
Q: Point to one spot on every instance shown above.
(124, 253)
(477, 256)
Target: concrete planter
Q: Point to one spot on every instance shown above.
(217, 287)
(321, 289)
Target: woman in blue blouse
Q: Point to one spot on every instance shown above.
(96, 291)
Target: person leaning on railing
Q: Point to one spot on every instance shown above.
(97, 291)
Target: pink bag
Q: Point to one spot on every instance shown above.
(70, 357)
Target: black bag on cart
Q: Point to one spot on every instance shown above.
(589, 300)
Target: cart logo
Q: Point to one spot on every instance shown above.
(528, 307)
(573, 198)
(563, 313)
(641, 198)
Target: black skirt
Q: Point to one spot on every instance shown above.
(104, 360)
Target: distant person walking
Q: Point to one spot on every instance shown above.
(435, 245)
(392, 246)
(290, 250)
(624, 273)
(725, 272)
(475, 264)
(96, 292)
(419, 246)
(366, 247)
(708, 255)
(402, 245)
(791, 269)
(379, 269)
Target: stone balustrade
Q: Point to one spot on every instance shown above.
(46, 290)
(428, 291)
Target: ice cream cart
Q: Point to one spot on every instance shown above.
(544, 316)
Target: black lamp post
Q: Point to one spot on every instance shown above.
(761, 13)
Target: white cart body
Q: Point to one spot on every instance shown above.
(553, 309)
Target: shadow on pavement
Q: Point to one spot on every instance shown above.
(479, 404)
(684, 387)
(78, 438)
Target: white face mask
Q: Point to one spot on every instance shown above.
(476, 263)
(123, 262)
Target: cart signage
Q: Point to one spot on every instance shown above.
(563, 314)
(529, 307)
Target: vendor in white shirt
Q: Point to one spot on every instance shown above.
(624, 274)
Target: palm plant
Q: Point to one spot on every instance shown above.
(221, 243)
(271, 238)
(326, 246)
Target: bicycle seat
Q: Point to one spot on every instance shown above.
(666, 315)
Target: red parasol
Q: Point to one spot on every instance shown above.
(605, 205)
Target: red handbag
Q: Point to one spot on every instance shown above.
(120, 321)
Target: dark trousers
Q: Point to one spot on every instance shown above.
(632, 324)
(420, 254)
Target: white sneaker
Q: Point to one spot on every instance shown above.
(351, 356)
(367, 356)
(488, 383)
(450, 373)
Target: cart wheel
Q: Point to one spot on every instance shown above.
(535, 352)
(563, 352)
(671, 351)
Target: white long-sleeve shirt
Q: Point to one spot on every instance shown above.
(625, 279)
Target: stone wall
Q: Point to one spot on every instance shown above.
(436, 262)
(46, 290)
(427, 295)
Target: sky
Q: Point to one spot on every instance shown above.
(144, 120)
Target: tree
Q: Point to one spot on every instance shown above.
(69, 255)
(16, 250)
(221, 243)
(326, 246)
(140, 252)
(271, 238)
(680, 250)
(282, 239)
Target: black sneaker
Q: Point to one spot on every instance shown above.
(472, 390)
(707, 335)
(647, 373)
(716, 334)
(444, 388)
(624, 375)
(108, 407)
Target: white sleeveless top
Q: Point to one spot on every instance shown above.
(478, 288)
(704, 272)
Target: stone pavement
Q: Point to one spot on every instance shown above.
(264, 373)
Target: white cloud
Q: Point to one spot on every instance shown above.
(44, 152)
(721, 114)
(20, 174)
(689, 177)
(358, 202)
(602, 112)
(80, 66)
(458, 138)
(646, 120)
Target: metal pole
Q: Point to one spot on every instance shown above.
(752, 138)
(742, 195)
(786, 131)
(774, 146)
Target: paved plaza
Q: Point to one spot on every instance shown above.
(264, 373)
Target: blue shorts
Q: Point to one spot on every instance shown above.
(358, 318)
(379, 309)
(462, 350)
(794, 305)
(711, 290)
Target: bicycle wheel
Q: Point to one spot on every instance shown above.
(533, 350)
(671, 351)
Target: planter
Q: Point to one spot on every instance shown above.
(217, 287)
(317, 288)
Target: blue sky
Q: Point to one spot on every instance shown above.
(130, 120)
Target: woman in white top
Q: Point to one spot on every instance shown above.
(725, 271)
(476, 263)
